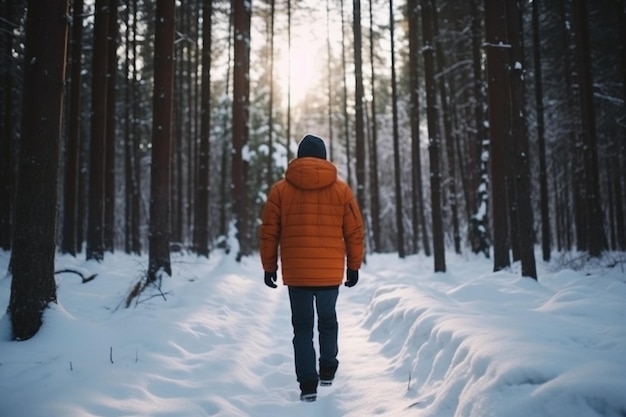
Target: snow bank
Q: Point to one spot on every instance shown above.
(471, 343)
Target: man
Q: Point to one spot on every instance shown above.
(314, 218)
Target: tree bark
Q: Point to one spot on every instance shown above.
(128, 150)
(7, 154)
(33, 286)
(479, 220)
(359, 127)
(224, 183)
(434, 140)
(346, 123)
(419, 218)
(521, 146)
(95, 226)
(192, 138)
(541, 141)
(572, 219)
(329, 90)
(177, 147)
(447, 134)
(70, 197)
(270, 134)
(396, 142)
(374, 189)
(111, 134)
(594, 224)
(159, 239)
(203, 188)
(241, 99)
(620, 154)
(499, 124)
(137, 152)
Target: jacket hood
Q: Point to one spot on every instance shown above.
(310, 173)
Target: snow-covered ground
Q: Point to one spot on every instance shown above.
(217, 342)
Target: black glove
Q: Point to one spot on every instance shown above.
(352, 277)
(270, 279)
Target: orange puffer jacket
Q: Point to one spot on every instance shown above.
(315, 219)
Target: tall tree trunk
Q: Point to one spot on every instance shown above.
(7, 154)
(224, 183)
(448, 131)
(203, 191)
(33, 286)
(521, 146)
(242, 11)
(620, 154)
(359, 127)
(70, 197)
(346, 124)
(95, 226)
(159, 240)
(374, 189)
(621, 24)
(594, 223)
(331, 139)
(499, 123)
(177, 149)
(434, 140)
(137, 152)
(396, 141)
(414, 118)
(289, 89)
(479, 220)
(541, 141)
(572, 219)
(192, 104)
(575, 165)
(128, 148)
(270, 138)
(109, 181)
(419, 219)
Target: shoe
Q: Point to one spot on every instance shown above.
(308, 398)
(308, 391)
(327, 375)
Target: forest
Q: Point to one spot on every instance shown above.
(491, 127)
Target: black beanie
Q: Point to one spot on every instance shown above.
(312, 146)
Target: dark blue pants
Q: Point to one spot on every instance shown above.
(303, 318)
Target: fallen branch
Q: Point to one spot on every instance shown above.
(73, 271)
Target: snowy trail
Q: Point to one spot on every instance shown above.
(248, 355)
(231, 354)
(364, 384)
(218, 343)
(242, 335)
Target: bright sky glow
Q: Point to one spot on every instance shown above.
(306, 61)
(302, 66)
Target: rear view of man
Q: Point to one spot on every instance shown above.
(314, 218)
